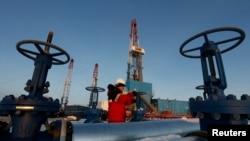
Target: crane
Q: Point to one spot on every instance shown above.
(65, 95)
(95, 75)
(135, 55)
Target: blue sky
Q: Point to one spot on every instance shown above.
(97, 31)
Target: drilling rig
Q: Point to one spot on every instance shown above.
(134, 80)
(65, 95)
(135, 55)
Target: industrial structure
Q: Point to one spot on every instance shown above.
(31, 117)
(135, 55)
(134, 74)
(174, 107)
(214, 107)
(135, 80)
(93, 114)
(65, 95)
(93, 100)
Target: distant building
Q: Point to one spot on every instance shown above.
(79, 110)
(176, 106)
(75, 110)
(103, 105)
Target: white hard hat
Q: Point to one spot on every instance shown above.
(119, 81)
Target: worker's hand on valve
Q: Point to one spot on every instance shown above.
(134, 93)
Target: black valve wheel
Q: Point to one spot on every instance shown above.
(200, 87)
(40, 51)
(99, 89)
(205, 34)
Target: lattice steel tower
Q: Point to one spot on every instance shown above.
(135, 55)
(65, 96)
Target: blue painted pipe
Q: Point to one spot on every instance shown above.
(132, 130)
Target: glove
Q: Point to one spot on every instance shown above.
(134, 93)
(134, 101)
(111, 86)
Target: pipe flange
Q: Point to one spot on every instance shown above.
(237, 109)
(24, 103)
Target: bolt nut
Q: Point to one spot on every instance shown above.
(200, 115)
(235, 116)
(199, 98)
(245, 97)
(191, 99)
(57, 101)
(214, 97)
(216, 116)
(231, 97)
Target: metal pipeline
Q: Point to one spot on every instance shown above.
(132, 130)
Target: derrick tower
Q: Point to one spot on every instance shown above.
(65, 95)
(135, 55)
(134, 72)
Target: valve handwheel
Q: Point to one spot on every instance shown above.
(200, 87)
(99, 89)
(205, 34)
(40, 51)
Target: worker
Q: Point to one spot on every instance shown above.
(119, 101)
(113, 91)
